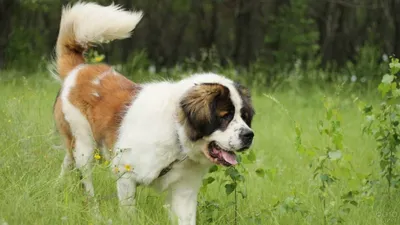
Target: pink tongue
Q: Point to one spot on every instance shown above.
(229, 157)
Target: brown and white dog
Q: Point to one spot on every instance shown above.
(163, 134)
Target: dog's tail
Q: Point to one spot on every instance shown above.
(85, 24)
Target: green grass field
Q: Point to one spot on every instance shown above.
(30, 159)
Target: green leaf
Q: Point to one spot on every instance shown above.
(396, 92)
(229, 188)
(243, 193)
(213, 169)
(208, 180)
(349, 195)
(251, 156)
(384, 89)
(233, 173)
(394, 66)
(239, 159)
(240, 177)
(354, 203)
(260, 172)
(324, 177)
(393, 86)
(367, 109)
(383, 164)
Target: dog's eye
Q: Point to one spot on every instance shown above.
(226, 115)
(245, 116)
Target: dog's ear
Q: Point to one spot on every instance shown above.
(199, 108)
(247, 112)
(243, 91)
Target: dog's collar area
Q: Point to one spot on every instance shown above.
(169, 167)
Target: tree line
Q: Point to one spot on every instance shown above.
(239, 32)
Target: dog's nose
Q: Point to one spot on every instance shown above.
(246, 136)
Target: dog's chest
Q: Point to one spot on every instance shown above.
(186, 171)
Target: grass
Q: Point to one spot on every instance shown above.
(30, 163)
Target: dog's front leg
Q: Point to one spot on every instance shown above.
(183, 202)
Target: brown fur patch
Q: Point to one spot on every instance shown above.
(63, 126)
(202, 108)
(102, 95)
(68, 62)
(69, 53)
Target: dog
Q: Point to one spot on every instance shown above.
(162, 134)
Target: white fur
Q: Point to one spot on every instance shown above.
(81, 131)
(93, 23)
(98, 79)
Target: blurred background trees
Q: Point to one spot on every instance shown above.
(269, 35)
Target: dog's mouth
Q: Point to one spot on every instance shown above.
(219, 155)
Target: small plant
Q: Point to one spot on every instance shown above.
(291, 204)
(331, 166)
(383, 124)
(232, 179)
(339, 187)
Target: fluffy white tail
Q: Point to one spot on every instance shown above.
(89, 23)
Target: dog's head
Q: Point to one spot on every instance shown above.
(218, 115)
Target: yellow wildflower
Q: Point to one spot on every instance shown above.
(97, 156)
(99, 58)
(116, 170)
(128, 167)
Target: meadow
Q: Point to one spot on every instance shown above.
(275, 185)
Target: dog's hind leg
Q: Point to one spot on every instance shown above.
(68, 161)
(83, 155)
(65, 130)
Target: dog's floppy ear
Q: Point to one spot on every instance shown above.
(199, 109)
